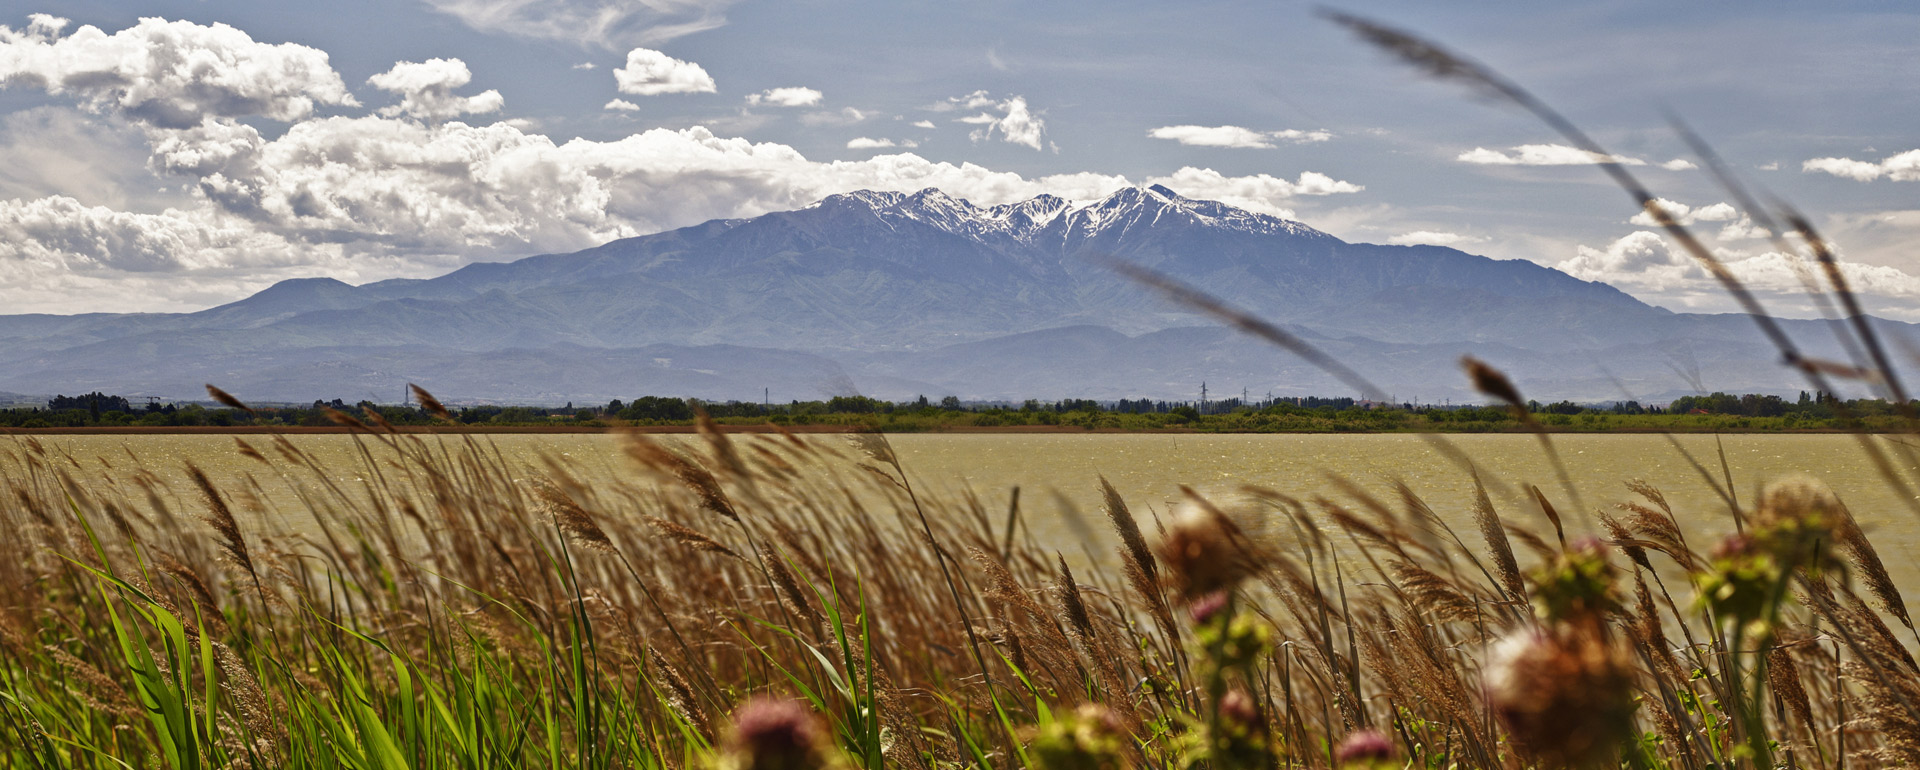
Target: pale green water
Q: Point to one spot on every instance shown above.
(1057, 470)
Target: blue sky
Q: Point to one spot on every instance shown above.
(176, 155)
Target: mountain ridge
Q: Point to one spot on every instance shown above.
(885, 284)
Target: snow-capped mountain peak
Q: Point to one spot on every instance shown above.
(1052, 219)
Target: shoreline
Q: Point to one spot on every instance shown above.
(257, 430)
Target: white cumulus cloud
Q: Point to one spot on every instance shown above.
(426, 90)
(1015, 122)
(1234, 136)
(1260, 192)
(923, 124)
(1904, 167)
(621, 105)
(796, 96)
(866, 143)
(1431, 238)
(1688, 215)
(649, 72)
(171, 74)
(1541, 155)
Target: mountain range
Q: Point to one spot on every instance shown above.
(896, 295)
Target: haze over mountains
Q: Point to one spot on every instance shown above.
(899, 295)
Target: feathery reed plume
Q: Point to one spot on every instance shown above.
(1433, 595)
(1783, 677)
(874, 445)
(227, 399)
(679, 694)
(1002, 586)
(1493, 382)
(430, 404)
(689, 537)
(380, 420)
(571, 518)
(1136, 551)
(696, 479)
(220, 518)
(343, 419)
(788, 585)
(1136, 557)
(1498, 547)
(1867, 564)
(247, 451)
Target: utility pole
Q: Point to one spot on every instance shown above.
(1203, 396)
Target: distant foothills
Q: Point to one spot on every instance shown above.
(892, 295)
(1715, 412)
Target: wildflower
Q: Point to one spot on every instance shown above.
(775, 734)
(1795, 523)
(1365, 749)
(1090, 738)
(1203, 609)
(1577, 586)
(1566, 699)
(1792, 529)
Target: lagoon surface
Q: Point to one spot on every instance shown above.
(1058, 473)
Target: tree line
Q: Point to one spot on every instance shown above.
(1713, 411)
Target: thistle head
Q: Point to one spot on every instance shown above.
(1205, 552)
(1565, 699)
(1092, 737)
(1365, 749)
(775, 734)
(1796, 523)
(1577, 586)
(1792, 529)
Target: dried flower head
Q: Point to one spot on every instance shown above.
(1204, 551)
(1566, 699)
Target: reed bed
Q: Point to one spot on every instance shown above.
(769, 601)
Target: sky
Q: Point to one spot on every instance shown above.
(180, 154)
